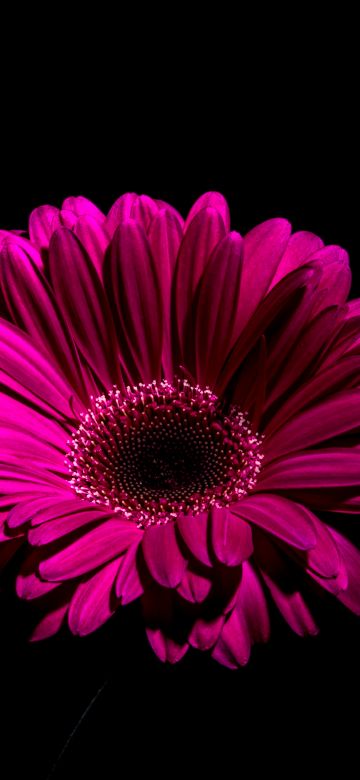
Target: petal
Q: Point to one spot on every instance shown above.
(120, 211)
(91, 604)
(82, 207)
(26, 370)
(301, 247)
(128, 585)
(263, 248)
(94, 239)
(202, 235)
(213, 200)
(195, 533)
(35, 424)
(83, 304)
(205, 633)
(350, 555)
(132, 284)
(331, 417)
(327, 468)
(289, 521)
(166, 648)
(92, 550)
(218, 311)
(55, 529)
(194, 587)
(231, 537)
(41, 225)
(50, 624)
(162, 555)
(281, 582)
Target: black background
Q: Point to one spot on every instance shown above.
(294, 707)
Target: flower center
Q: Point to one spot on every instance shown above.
(161, 450)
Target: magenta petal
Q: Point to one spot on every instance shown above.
(94, 239)
(213, 200)
(166, 649)
(128, 585)
(194, 587)
(162, 555)
(55, 529)
(50, 624)
(30, 373)
(301, 247)
(327, 468)
(278, 574)
(331, 417)
(350, 555)
(231, 537)
(120, 211)
(205, 633)
(83, 303)
(289, 521)
(132, 284)
(194, 530)
(82, 207)
(263, 248)
(91, 603)
(202, 235)
(41, 225)
(95, 548)
(218, 310)
(28, 583)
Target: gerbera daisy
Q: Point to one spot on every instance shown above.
(178, 404)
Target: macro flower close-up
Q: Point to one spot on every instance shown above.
(179, 423)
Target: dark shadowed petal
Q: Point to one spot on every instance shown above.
(205, 633)
(218, 311)
(350, 597)
(94, 239)
(165, 234)
(322, 469)
(133, 288)
(128, 585)
(162, 554)
(47, 532)
(278, 574)
(231, 537)
(50, 624)
(83, 303)
(90, 551)
(91, 604)
(202, 235)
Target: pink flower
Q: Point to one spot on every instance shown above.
(178, 404)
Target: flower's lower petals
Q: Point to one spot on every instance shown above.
(95, 548)
(166, 648)
(92, 603)
(129, 583)
(50, 624)
(204, 633)
(162, 554)
(231, 537)
(350, 556)
(194, 586)
(289, 521)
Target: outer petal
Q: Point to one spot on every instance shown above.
(213, 200)
(231, 537)
(90, 551)
(309, 470)
(195, 533)
(91, 604)
(128, 585)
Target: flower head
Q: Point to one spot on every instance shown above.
(178, 405)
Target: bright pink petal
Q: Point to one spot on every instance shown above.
(50, 624)
(41, 225)
(194, 587)
(327, 468)
(91, 604)
(92, 550)
(350, 555)
(300, 248)
(213, 200)
(205, 633)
